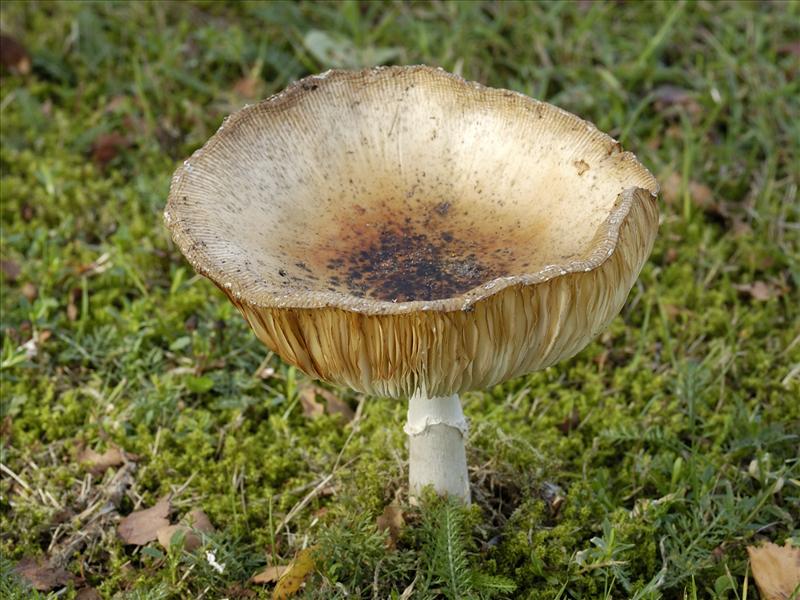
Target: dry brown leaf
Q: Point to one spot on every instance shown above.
(41, 574)
(107, 146)
(270, 574)
(308, 400)
(295, 574)
(14, 56)
(100, 463)
(776, 570)
(335, 405)
(758, 290)
(88, 593)
(391, 521)
(196, 521)
(142, 526)
(236, 591)
(189, 539)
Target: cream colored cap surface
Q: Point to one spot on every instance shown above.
(401, 229)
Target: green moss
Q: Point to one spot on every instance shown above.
(672, 438)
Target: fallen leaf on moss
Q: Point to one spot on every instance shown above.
(107, 146)
(100, 463)
(295, 574)
(198, 520)
(237, 591)
(194, 523)
(88, 593)
(14, 56)
(758, 290)
(335, 405)
(776, 570)
(391, 521)
(308, 400)
(270, 574)
(189, 540)
(41, 574)
(142, 526)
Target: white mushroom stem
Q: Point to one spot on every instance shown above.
(436, 429)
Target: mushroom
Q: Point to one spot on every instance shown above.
(406, 233)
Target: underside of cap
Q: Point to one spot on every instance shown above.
(518, 330)
(400, 229)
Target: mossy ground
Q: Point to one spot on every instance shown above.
(673, 438)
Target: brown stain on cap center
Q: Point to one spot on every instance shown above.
(421, 252)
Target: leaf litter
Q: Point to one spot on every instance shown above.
(98, 463)
(42, 574)
(392, 522)
(333, 404)
(294, 576)
(141, 526)
(189, 531)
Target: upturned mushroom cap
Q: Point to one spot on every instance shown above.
(400, 229)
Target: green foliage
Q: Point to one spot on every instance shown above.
(353, 561)
(641, 468)
(448, 542)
